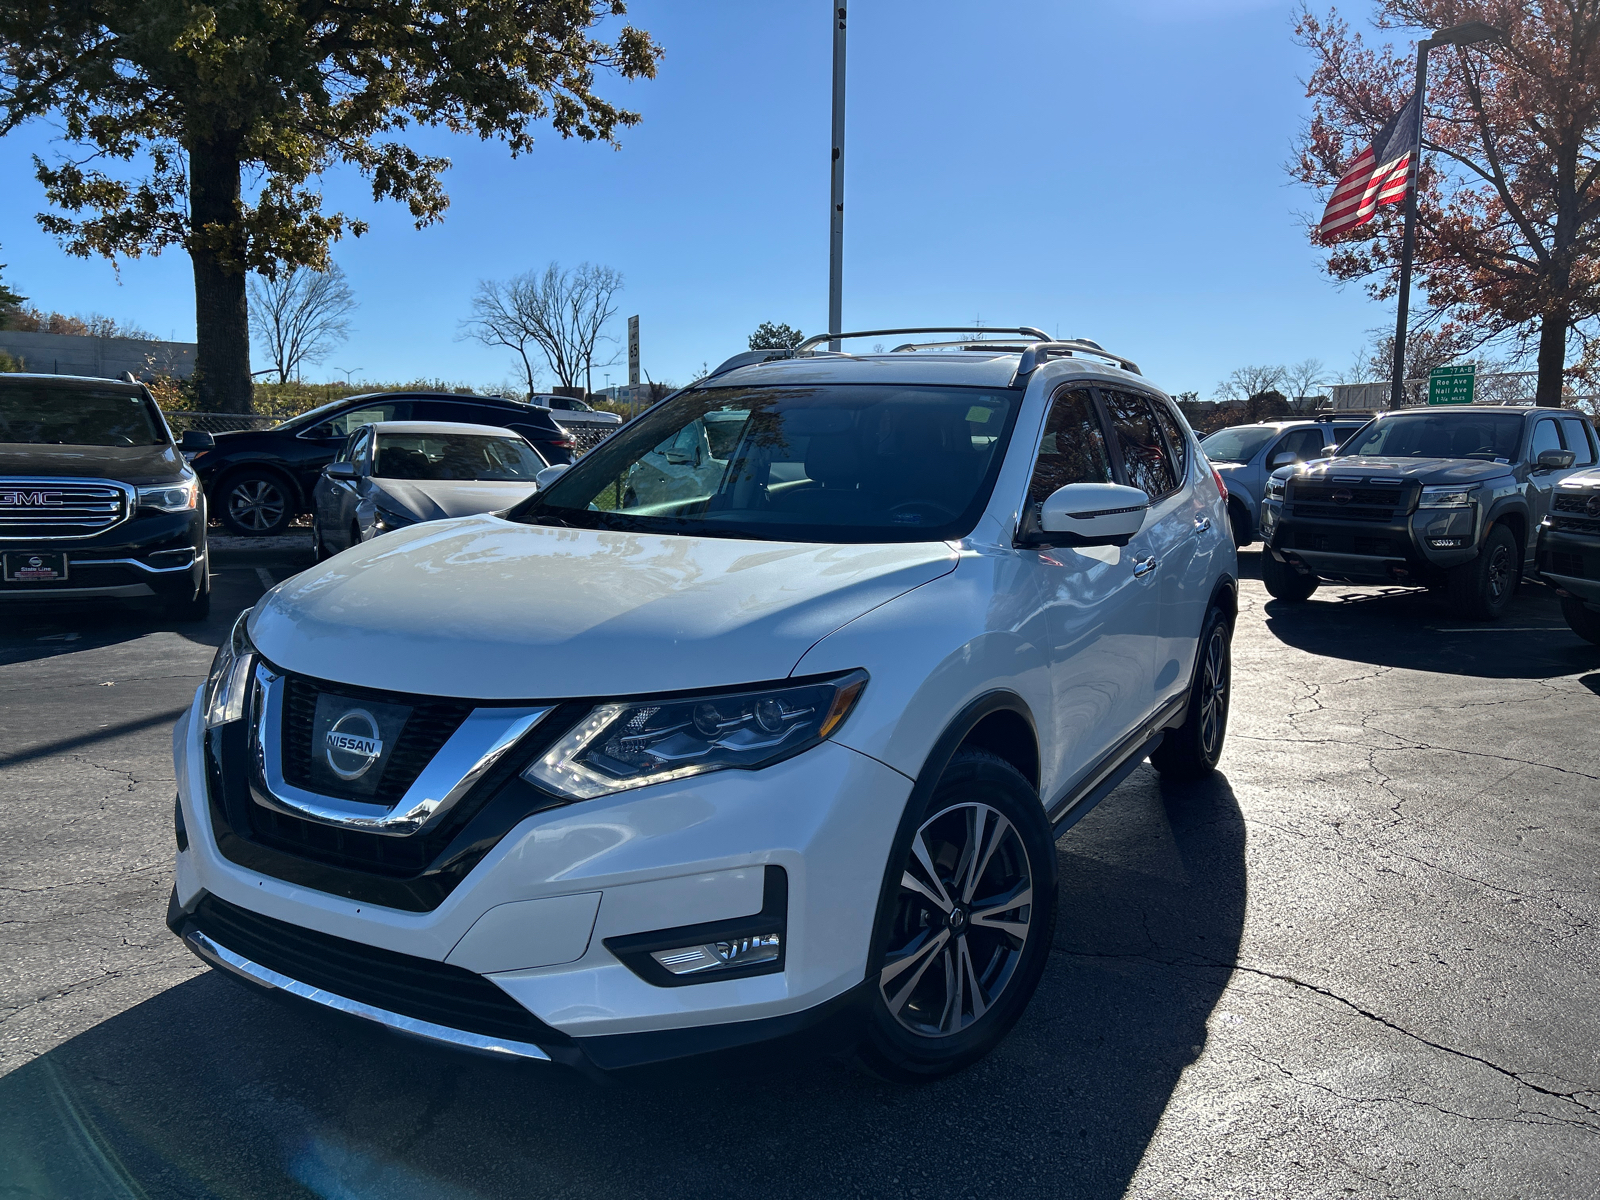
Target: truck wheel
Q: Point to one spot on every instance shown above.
(1585, 622)
(256, 503)
(1191, 751)
(1284, 582)
(969, 915)
(1481, 590)
(1243, 535)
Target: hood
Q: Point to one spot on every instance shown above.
(485, 608)
(1422, 470)
(436, 499)
(130, 464)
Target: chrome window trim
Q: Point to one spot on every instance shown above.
(129, 493)
(221, 957)
(466, 756)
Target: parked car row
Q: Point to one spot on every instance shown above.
(1464, 501)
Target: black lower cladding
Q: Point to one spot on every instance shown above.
(419, 988)
(414, 873)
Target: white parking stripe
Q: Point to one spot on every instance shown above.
(267, 581)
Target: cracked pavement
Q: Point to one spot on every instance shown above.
(1361, 962)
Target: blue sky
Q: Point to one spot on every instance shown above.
(1110, 170)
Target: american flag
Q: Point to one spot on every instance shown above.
(1378, 176)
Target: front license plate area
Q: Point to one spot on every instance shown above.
(28, 567)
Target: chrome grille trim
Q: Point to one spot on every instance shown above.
(465, 758)
(75, 508)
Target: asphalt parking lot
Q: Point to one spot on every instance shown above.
(1362, 961)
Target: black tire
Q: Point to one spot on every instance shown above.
(1191, 751)
(195, 608)
(1481, 590)
(1584, 621)
(256, 503)
(949, 982)
(355, 533)
(319, 548)
(1284, 582)
(1239, 521)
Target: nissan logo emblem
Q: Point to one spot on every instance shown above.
(1343, 496)
(1593, 507)
(353, 744)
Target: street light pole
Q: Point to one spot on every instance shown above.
(1456, 35)
(836, 192)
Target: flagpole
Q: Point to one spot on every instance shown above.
(1408, 243)
(836, 196)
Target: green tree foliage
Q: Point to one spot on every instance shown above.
(775, 337)
(1266, 406)
(204, 95)
(9, 303)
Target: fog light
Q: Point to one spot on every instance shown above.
(1451, 543)
(738, 952)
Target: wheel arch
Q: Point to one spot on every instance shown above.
(1514, 515)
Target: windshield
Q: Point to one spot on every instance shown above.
(42, 415)
(1488, 436)
(1237, 445)
(456, 456)
(822, 463)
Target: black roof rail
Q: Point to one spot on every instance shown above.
(1041, 352)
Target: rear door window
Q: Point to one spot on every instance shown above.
(347, 422)
(1580, 440)
(1146, 460)
(1175, 439)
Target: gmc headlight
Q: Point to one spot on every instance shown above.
(229, 680)
(171, 497)
(621, 746)
(1451, 496)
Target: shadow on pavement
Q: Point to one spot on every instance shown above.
(1413, 629)
(209, 1090)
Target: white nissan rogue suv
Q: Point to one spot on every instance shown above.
(608, 780)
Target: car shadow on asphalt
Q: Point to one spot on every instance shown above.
(210, 1090)
(1413, 629)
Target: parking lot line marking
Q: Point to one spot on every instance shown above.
(267, 581)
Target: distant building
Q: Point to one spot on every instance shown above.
(105, 358)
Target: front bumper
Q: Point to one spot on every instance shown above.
(1414, 547)
(1570, 562)
(535, 914)
(155, 554)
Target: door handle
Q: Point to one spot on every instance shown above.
(1202, 525)
(1143, 567)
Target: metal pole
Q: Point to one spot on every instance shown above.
(836, 196)
(1408, 243)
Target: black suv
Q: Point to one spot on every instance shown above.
(1446, 498)
(1569, 551)
(259, 480)
(96, 502)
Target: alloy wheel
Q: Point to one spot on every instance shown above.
(1499, 560)
(1214, 695)
(256, 504)
(962, 920)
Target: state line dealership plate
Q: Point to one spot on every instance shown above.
(28, 567)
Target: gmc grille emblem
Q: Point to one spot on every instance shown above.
(16, 499)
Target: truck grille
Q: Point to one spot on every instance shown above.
(1341, 512)
(51, 509)
(1575, 524)
(1370, 496)
(1322, 501)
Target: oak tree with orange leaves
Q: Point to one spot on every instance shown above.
(1508, 200)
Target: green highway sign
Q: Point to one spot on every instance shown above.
(1451, 385)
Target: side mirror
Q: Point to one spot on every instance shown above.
(676, 457)
(1329, 450)
(549, 475)
(1283, 458)
(340, 470)
(196, 439)
(1556, 460)
(1094, 514)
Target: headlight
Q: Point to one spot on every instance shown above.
(620, 746)
(171, 497)
(1275, 487)
(1453, 496)
(229, 680)
(387, 519)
